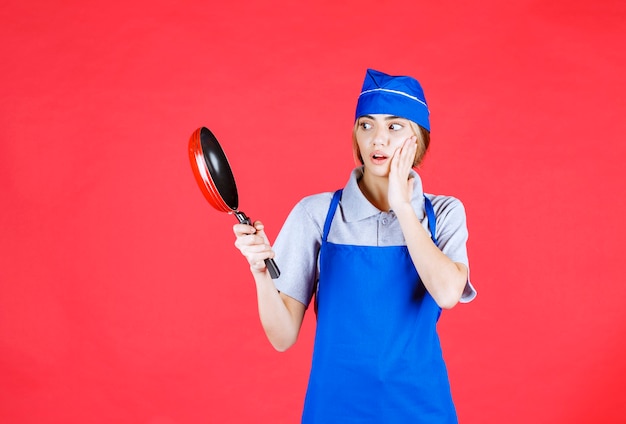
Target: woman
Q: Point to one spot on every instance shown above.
(382, 260)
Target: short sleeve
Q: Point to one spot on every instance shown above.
(297, 248)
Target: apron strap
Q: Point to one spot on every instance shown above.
(331, 213)
(428, 206)
(432, 219)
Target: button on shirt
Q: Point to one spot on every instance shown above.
(358, 222)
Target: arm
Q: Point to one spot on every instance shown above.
(281, 316)
(444, 279)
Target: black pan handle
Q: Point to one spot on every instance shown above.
(269, 263)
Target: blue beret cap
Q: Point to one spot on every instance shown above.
(393, 95)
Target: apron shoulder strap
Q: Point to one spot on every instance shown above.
(428, 206)
(432, 219)
(331, 213)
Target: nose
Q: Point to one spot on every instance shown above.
(381, 136)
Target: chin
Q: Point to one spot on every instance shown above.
(377, 171)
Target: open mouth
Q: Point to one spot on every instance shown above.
(378, 157)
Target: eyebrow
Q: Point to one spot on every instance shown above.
(388, 118)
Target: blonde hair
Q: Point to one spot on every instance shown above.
(423, 141)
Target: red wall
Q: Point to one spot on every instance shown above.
(122, 298)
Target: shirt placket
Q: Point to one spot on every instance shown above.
(384, 223)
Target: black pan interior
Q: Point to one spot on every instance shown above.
(219, 168)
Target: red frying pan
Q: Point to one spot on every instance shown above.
(216, 181)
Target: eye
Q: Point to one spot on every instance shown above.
(366, 125)
(395, 126)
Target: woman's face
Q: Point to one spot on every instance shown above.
(378, 136)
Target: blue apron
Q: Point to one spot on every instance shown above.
(377, 356)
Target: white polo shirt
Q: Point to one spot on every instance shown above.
(358, 222)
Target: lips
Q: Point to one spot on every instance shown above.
(378, 157)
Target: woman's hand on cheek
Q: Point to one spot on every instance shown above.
(400, 186)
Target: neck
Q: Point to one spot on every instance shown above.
(375, 189)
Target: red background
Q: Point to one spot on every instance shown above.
(122, 299)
